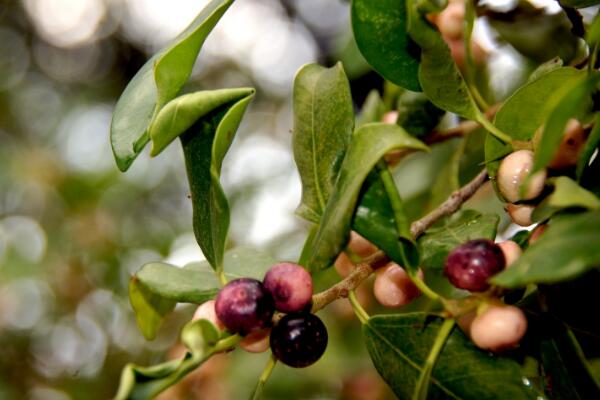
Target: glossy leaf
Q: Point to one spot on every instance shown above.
(592, 35)
(439, 76)
(157, 82)
(399, 345)
(180, 114)
(568, 248)
(589, 148)
(150, 308)
(197, 282)
(524, 112)
(437, 242)
(374, 220)
(323, 124)
(567, 193)
(205, 144)
(141, 383)
(573, 99)
(369, 143)
(380, 30)
(416, 114)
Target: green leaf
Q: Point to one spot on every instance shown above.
(380, 30)
(180, 114)
(592, 35)
(590, 147)
(416, 114)
(202, 341)
(571, 100)
(567, 193)
(399, 345)
(579, 3)
(197, 282)
(374, 220)
(150, 309)
(369, 143)
(157, 82)
(436, 243)
(323, 124)
(205, 144)
(524, 112)
(439, 76)
(568, 248)
(372, 109)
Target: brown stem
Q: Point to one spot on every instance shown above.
(378, 259)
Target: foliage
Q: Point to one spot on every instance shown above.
(347, 184)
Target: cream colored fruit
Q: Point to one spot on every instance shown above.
(361, 246)
(498, 327)
(514, 173)
(450, 21)
(393, 287)
(207, 311)
(511, 250)
(567, 153)
(390, 117)
(520, 214)
(256, 342)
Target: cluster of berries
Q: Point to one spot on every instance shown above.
(522, 191)
(494, 325)
(246, 306)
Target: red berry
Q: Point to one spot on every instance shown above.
(471, 264)
(290, 285)
(244, 306)
(299, 339)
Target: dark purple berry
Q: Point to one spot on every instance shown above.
(290, 285)
(244, 306)
(471, 264)
(299, 339)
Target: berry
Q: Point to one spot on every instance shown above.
(520, 213)
(511, 250)
(244, 306)
(514, 172)
(390, 117)
(299, 339)
(207, 311)
(470, 265)
(290, 285)
(393, 287)
(451, 21)
(256, 342)
(361, 246)
(498, 327)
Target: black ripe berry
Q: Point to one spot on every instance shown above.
(299, 339)
(290, 285)
(244, 306)
(471, 264)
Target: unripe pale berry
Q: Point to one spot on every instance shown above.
(207, 311)
(511, 250)
(244, 306)
(393, 287)
(256, 342)
(498, 327)
(471, 264)
(390, 117)
(343, 265)
(298, 339)
(514, 172)
(360, 246)
(290, 285)
(520, 214)
(451, 20)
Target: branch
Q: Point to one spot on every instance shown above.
(450, 206)
(379, 258)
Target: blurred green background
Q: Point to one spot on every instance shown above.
(73, 229)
